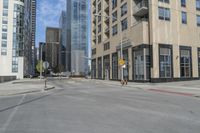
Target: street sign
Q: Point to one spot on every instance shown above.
(46, 65)
(121, 62)
(124, 66)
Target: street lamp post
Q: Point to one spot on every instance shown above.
(121, 42)
(41, 61)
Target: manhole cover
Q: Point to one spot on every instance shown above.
(198, 96)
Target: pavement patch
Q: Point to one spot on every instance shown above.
(172, 92)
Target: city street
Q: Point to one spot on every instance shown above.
(94, 106)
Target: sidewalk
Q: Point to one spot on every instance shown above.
(23, 86)
(187, 88)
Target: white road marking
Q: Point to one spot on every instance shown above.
(7, 123)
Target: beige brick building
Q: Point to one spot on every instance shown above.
(160, 39)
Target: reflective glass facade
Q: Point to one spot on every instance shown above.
(77, 32)
(18, 35)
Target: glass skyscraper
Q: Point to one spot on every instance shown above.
(77, 35)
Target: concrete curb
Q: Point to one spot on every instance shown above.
(49, 88)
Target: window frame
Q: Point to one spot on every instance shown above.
(198, 5)
(164, 1)
(123, 11)
(182, 17)
(124, 27)
(164, 13)
(169, 47)
(191, 68)
(116, 32)
(183, 3)
(198, 22)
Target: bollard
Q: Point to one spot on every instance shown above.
(45, 83)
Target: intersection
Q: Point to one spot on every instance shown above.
(93, 106)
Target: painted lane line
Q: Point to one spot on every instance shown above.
(8, 121)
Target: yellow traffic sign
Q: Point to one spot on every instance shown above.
(121, 62)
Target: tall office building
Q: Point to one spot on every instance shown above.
(29, 36)
(33, 20)
(52, 46)
(64, 55)
(77, 35)
(160, 39)
(15, 37)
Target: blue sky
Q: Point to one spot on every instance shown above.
(48, 13)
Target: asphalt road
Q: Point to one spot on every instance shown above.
(90, 107)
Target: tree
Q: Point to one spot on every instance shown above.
(38, 66)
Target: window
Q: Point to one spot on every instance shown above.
(99, 64)
(141, 63)
(114, 4)
(124, 24)
(99, 39)
(107, 46)
(126, 69)
(185, 62)
(114, 30)
(4, 36)
(184, 17)
(124, 9)
(183, 3)
(164, 13)
(5, 4)
(94, 51)
(198, 20)
(165, 1)
(93, 69)
(5, 12)
(3, 52)
(165, 61)
(106, 67)
(14, 68)
(198, 4)
(114, 16)
(3, 44)
(199, 60)
(115, 66)
(99, 7)
(99, 18)
(5, 20)
(4, 28)
(99, 28)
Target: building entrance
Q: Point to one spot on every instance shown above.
(141, 64)
(106, 67)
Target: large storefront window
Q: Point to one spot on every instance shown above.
(199, 60)
(126, 69)
(185, 62)
(141, 64)
(93, 71)
(115, 66)
(165, 61)
(99, 68)
(106, 67)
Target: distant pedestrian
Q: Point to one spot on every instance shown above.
(126, 76)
